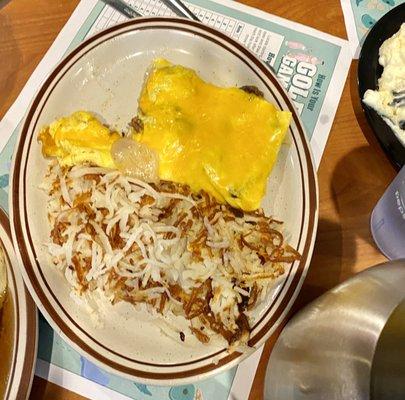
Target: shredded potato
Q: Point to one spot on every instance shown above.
(161, 245)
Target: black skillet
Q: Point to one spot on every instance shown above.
(369, 70)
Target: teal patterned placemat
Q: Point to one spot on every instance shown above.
(361, 15)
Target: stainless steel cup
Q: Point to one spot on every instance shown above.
(349, 344)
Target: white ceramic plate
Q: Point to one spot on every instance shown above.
(23, 328)
(105, 75)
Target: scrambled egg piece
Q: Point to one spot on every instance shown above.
(222, 140)
(78, 138)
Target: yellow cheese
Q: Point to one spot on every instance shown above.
(222, 140)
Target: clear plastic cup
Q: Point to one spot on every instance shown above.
(388, 219)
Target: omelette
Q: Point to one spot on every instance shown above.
(224, 141)
(221, 140)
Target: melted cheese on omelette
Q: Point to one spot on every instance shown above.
(78, 138)
(221, 140)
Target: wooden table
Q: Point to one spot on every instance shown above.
(352, 176)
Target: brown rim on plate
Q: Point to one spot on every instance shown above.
(30, 350)
(49, 85)
(16, 309)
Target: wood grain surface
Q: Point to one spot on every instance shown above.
(352, 176)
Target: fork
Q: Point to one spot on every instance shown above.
(179, 8)
(123, 8)
(399, 98)
(398, 101)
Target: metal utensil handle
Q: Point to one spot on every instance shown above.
(123, 8)
(180, 9)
